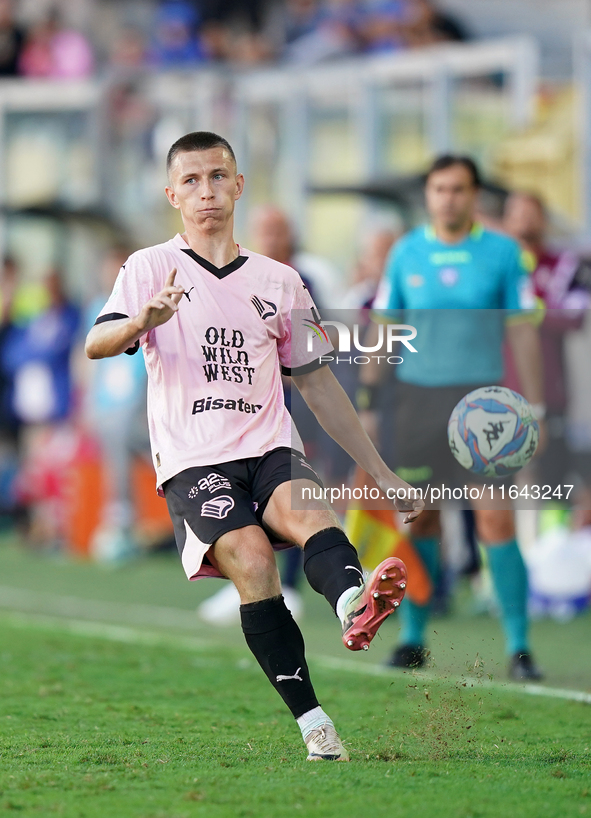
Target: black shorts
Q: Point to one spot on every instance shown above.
(205, 502)
(423, 455)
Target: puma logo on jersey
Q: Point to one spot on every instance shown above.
(267, 311)
(296, 677)
(313, 309)
(217, 508)
(187, 293)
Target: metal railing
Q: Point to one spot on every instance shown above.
(271, 116)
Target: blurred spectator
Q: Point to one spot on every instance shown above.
(11, 40)
(300, 18)
(316, 32)
(128, 50)
(53, 51)
(37, 356)
(383, 25)
(114, 411)
(235, 46)
(367, 274)
(369, 268)
(247, 14)
(176, 42)
(553, 275)
(274, 236)
(426, 25)
(9, 284)
(239, 31)
(9, 425)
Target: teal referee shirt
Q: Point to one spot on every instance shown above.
(458, 297)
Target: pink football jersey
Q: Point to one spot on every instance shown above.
(214, 370)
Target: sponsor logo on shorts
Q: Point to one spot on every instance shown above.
(218, 508)
(212, 483)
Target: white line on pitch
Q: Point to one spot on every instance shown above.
(103, 630)
(123, 633)
(465, 681)
(72, 607)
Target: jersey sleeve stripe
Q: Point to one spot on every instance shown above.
(115, 316)
(303, 370)
(110, 316)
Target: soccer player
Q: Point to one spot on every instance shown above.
(463, 287)
(216, 324)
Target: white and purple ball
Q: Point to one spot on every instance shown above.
(493, 432)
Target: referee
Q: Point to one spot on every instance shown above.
(465, 290)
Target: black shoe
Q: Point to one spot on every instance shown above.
(523, 668)
(409, 656)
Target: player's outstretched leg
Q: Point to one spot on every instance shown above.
(333, 569)
(278, 646)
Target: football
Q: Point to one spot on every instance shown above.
(493, 432)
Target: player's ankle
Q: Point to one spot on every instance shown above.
(343, 600)
(312, 720)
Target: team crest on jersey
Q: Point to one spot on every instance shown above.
(266, 309)
(218, 508)
(449, 276)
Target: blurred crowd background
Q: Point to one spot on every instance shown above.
(73, 40)
(335, 109)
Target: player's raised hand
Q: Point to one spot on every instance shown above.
(160, 309)
(403, 495)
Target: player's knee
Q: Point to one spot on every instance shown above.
(259, 571)
(244, 549)
(495, 526)
(249, 562)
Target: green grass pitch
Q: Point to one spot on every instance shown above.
(159, 720)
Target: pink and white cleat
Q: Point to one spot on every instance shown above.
(377, 598)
